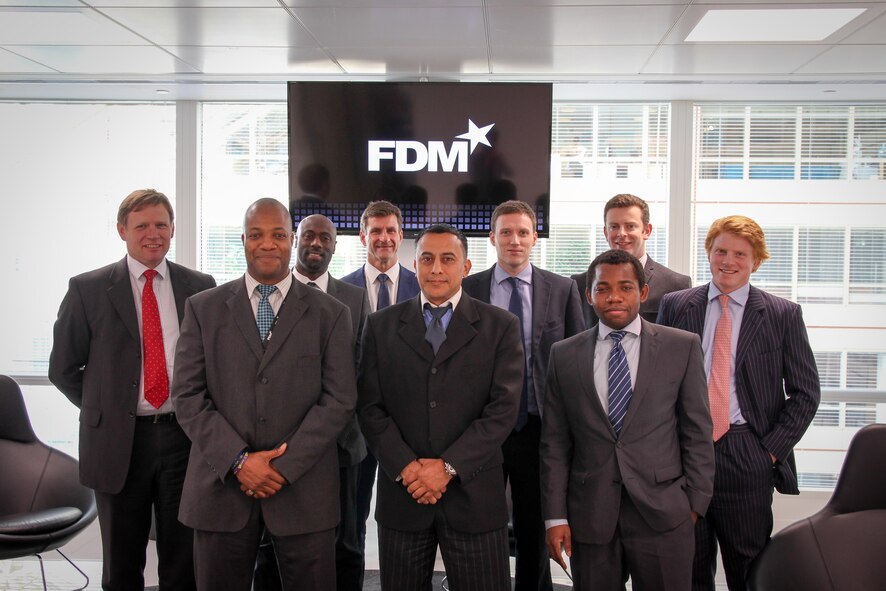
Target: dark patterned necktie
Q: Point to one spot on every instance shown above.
(619, 382)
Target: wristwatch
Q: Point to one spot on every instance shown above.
(449, 469)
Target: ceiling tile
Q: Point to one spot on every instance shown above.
(699, 59)
(521, 59)
(585, 25)
(383, 26)
(121, 60)
(257, 60)
(255, 27)
(399, 3)
(849, 59)
(183, 3)
(61, 26)
(41, 3)
(10, 63)
(446, 60)
(873, 32)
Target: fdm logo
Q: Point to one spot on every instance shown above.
(411, 156)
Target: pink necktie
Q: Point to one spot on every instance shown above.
(156, 378)
(721, 361)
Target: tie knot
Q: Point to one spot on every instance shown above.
(382, 278)
(314, 285)
(150, 274)
(724, 301)
(515, 283)
(438, 313)
(265, 290)
(617, 336)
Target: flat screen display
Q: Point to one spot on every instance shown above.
(441, 151)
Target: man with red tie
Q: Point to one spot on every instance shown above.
(763, 388)
(112, 356)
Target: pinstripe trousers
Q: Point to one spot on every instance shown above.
(739, 517)
(478, 562)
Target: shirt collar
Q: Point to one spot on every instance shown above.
(501, 275)
(633, 328)
(283, 286)
(739, 296)
(372, 273)
(322, 281)
(643, 259)
(137, 269)
(454, 300)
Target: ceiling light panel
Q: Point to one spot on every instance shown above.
(771, 25)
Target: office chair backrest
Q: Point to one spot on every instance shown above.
(14, 422)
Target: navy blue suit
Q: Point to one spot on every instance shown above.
(778, 391)
(407, 287)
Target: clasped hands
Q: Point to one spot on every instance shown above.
(425, 479)
(258, 478)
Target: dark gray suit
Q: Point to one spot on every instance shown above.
(556, 314)
(660, 279)
(96, 362)
(232, 395)
(459, 405)
(663, 460)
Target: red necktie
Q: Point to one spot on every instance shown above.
(156, 378)
(721, 361)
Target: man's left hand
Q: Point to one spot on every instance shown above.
(431, 481)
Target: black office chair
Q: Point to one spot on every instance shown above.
(43, 503)
(843, 546)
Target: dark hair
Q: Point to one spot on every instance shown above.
(380, 209)
(512, 206)
(140, 199)
(616, 257)
(627, 200)
(445, 229)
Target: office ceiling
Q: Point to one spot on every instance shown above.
(204, 49)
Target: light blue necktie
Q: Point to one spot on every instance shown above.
(515, 307)
(264, 318)
(436, 333)
(384, 297)
(619, 382)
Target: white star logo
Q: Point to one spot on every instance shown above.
(476, 135)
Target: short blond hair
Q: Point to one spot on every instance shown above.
(139, 200)
(741, 226)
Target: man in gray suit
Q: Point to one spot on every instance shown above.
(132, 451)
(627, 227)
(315, 240)
(549, 309)
(627, 463)
(264, 382)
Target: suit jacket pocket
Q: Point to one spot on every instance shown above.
(90, 416)
(668, 473)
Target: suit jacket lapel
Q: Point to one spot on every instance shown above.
(541, 297)
(460, 330)
(649, 270)
(292, 309)
(241, 310)
(412, 329)
(751, 323)
(120, 294)
(484, 284)
(585, 363)
(646, 370)
(181, 289)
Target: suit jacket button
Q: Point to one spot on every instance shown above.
(264, 380)
(433, 370)
(433, 404)
(135, 383)
(131, 415)
(261, 419)
(619, 445)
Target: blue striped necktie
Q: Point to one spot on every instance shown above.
(264, 318)
(515, 307)
(619, 382)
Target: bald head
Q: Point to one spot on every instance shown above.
(315, 244)
(267, 205)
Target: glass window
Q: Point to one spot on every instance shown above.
(66, 167)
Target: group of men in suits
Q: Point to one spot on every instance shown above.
(634, 447)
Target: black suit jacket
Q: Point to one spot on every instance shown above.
(556, 315)
(96, 362)
(460, 406)
(776, 379)
(660, 279)
(351, 444)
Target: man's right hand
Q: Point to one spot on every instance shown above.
(559, 540)
(259, 476)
